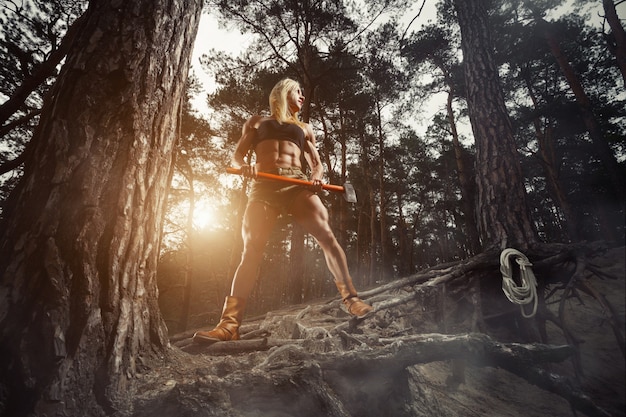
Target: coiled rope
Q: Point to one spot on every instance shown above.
(525, 293)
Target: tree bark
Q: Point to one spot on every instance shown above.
(550, 164)
(504, 219)
(462, 173)
(343, 204)
(367, 228)
(382, 192)
(604, 151)
(188, 270)
(79, 246)
(619, 36)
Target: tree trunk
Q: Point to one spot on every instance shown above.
(366, 231)
(503, 216)
(550, 164)
(619, 36)
(404, 244)
(79, 245)
(343, 205)
(382, 203)
(188, 271)
(372, 270)
(596, 134)
(464, 182)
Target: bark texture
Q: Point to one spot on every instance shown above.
(503, 218)
(617, 44)
(596, 133)
(78, 294)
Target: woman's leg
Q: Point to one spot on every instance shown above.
(309, 211)
(258, 223)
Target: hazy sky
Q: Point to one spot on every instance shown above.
(211, 36)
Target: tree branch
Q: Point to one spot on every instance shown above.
(42, 71)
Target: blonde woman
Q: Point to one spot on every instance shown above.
(278, 142)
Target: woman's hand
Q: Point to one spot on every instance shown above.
(249, 171)
(316, 185)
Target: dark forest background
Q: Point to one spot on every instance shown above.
(499, 124)
(370, 83)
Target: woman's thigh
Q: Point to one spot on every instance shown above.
(309, 211)
(258, 222)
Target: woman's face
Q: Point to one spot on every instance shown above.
(295, 99)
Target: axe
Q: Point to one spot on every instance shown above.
(347, 189)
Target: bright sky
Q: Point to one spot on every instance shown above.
(210, 36)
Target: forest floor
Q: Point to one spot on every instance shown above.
(313, 360)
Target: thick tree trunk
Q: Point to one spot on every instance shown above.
(79, 247)
(503, 215)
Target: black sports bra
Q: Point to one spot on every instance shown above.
(271, 129)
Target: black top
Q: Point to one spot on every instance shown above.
(272, 129)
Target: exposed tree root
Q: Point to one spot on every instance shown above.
(459, 299)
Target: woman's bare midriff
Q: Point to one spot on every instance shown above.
(272, 154)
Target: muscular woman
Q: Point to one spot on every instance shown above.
(278, 142)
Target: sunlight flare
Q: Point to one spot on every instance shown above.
(204, 216)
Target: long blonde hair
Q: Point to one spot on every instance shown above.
(279, 107)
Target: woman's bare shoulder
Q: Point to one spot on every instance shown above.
(308, 132)
(254, 121)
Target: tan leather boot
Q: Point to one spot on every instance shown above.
(353, 304)
(228, 327)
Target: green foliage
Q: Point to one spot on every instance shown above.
(538, 93)
(358, 107)
(30, 32)
(371, 88)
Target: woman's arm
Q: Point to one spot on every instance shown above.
(312, 156)
(248, 132)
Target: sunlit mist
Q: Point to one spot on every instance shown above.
(204, 216)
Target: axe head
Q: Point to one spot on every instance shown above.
(348, 193)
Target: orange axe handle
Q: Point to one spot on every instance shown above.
(328, 187)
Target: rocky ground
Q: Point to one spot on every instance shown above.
(313, 360)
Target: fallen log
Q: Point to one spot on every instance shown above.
(475, 348)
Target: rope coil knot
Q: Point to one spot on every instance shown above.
(525, 293)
